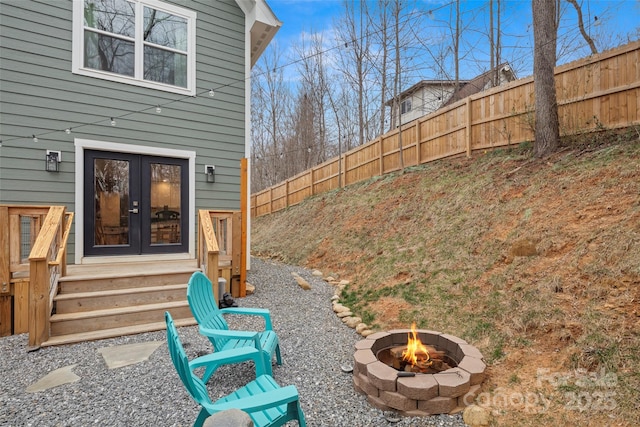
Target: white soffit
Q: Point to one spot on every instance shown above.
(263, 23)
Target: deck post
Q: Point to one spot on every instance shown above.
(5, 250)
(245, 218)
(212, 272)
(39, 310)
(209, 246)
(41, 281)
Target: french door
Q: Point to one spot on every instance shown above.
(135, 204)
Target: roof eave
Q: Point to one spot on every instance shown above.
(263, 25)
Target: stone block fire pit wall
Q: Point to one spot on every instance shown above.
(444, 392)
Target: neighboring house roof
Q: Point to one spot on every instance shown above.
(263, 25)
(467, 87)
(482, 82)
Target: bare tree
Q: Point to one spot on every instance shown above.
(356, 64)
(397, 77)
(456, 47)
(271, 106)
(586, 36)
(547, 133)
(310, 109)
(382, 36)
(494, 41)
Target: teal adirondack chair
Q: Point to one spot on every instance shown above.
(213, 325)
(263, 399)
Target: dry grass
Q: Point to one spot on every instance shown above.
(444, 245)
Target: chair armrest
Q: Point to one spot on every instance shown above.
(231, 334)
(224, 357)
(262, 312)
(211, 362)
(262, 401)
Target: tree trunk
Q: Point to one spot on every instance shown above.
(456, 47)
(492, 45)
(547, 134)
(398, 91)
(384, 41)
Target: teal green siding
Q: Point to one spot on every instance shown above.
(40, 95)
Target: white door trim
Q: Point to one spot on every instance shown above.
(89, 144)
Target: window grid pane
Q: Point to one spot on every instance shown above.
(165, 29)
(113, 16)
(102, 52)
(165, 67)
(112, 34)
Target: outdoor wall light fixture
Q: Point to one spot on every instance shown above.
(52, 161)
(210, 171)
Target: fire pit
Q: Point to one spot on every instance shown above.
(442, 376)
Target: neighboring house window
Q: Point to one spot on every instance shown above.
(143, 42)
(405, 106)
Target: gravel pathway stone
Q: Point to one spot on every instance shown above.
(315, 344)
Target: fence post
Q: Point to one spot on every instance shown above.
(341, 170)
(418, 142)
(468, 118)
(380, 140)
(286, 193)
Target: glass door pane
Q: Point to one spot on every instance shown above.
(111, 202)
(166, 197)
(135, 204)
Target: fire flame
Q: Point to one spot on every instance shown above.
(416, 353)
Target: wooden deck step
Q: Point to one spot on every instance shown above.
(106, 299)
(128, 280)
(114, 332)
(89, 321)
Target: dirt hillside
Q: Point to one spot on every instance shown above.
(535, 262)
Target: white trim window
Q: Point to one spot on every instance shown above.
(405, 106)
(142, 42)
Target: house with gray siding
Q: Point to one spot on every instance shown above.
(428, 96)
(133, 114)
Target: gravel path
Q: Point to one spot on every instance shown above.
(313, 341)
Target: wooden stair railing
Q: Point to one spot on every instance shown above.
(221, 242)
(208, 250)
(19, 229)
(48, 262)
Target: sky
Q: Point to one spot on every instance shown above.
(607, 21)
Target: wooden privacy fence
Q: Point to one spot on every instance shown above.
(593, 93)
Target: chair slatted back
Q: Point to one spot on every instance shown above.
(204, 306)
(194, 385)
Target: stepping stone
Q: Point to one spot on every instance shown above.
(53, 379)
(128, 354)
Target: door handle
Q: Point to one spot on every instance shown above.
(135, 210)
